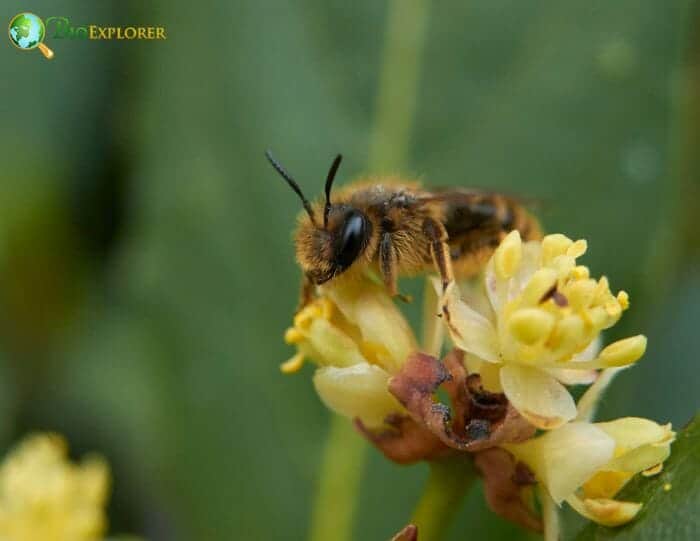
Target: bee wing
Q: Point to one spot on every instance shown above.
(468, 196)
(474, 218)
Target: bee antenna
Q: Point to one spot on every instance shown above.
(329, 183)
(292, 183)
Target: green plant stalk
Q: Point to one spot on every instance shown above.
(673, 245)
(345, 452)
(407, 21)
(344, 457)
(447, 484)
(550, 515)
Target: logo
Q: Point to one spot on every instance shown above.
(27, 31)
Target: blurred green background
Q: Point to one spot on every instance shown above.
(146, 267)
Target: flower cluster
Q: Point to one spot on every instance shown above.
(44, 497)
(540, 326)
(359, 338)
(525, 330)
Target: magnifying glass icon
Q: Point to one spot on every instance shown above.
(27, 32)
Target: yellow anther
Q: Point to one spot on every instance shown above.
(605, 484)
(508, 255)
(613, 308)
(293, 335)
(624, 299)
(539, 285)
(563, 264)
(625, 351)
(577, 249)
(553, 246)
(580, 272)
(306, 315)
(374, 352)
(530, 325)
(293, 365)
(580, 293)
(602, 294)
(597, 317)
(567, 336)
(320, 308)
(326, 308)
(667, 487)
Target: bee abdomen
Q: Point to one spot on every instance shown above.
(476, 223)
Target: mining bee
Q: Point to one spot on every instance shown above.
(398, 228)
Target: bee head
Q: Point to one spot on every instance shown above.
(327, 248)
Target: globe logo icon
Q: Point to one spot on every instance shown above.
(27, 32)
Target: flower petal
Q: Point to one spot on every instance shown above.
(538, 397)
(490, 373)
(357, 391)
(473, 292)
(328, 345)
(572, 376)
(633, 432)
(565, 458)
(433, 328)
(604, 511)
(530, 262)
(367, 306)
(469, 330)
(507, 257)
(641, 443)
(605, 484)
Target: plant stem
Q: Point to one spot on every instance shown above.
(398, 84)
(550, 514)
(343, 461)
(345, 451)
(447, 484)
(588, 403)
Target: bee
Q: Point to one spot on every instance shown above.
(398, 228)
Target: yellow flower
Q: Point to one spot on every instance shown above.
(586, 464)
(44, 497)
(540, 327)
(358, 338)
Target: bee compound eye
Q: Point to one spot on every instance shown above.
(352, 239)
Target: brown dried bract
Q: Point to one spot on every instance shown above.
(478, 419)
(405, 441)
(409, 533)
(504, 479)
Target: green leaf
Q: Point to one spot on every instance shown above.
(671, 499)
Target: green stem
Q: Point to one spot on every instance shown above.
(398, 84)
(343, 461)
(447, 484)
(550, 516)
(345, 451)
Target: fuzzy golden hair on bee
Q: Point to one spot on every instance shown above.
(397, 228)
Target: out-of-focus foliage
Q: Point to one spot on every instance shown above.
(146, 268)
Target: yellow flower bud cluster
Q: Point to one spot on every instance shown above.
(44, 497)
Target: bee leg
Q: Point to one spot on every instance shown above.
(388, 264)
(439, 250)
(306, 292)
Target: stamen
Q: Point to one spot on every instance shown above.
(293, 365)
